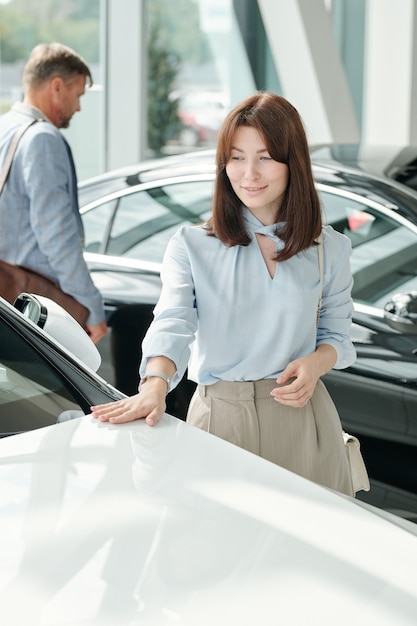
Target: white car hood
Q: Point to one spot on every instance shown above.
(132, 525)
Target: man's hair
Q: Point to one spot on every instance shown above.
(49, 60)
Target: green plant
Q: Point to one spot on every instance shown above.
(163, 121)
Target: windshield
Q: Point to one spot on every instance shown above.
(384, 250)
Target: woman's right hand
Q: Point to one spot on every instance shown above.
(149, 403)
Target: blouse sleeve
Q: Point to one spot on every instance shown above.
(337, 305)
(175, 316)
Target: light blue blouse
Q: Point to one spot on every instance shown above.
(221, 314)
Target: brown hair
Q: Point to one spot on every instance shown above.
(281, 127)
(49, 60)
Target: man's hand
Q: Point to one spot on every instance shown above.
(97, 331)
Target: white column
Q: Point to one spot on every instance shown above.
(85, 134)
(389, 77)
(125, 83)
(309, 67)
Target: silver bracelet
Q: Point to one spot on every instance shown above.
(157, 375)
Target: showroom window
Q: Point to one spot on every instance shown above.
(165, 73)
(191, 47)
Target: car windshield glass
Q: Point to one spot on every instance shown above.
(384, 251)
(31, 393)
(145, 220)
(96, 223)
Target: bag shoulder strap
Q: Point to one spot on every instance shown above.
(321, 270)
(12, 149)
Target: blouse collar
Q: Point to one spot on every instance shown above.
(255, 226)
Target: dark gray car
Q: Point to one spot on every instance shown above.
(129, 215)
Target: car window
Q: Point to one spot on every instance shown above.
(97, 223)
(32, 395)
(146, 220)
(384, 251)
(152, 248)
(357, 220)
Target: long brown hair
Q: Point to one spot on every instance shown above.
(281, 127)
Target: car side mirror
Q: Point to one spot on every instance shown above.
(401, 312)
(59, 324)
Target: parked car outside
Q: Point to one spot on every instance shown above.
(201, 114)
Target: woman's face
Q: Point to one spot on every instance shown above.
(257, 180)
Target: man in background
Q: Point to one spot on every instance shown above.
(40, 223)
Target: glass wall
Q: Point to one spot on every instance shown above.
(76, 23)
(188, 53)
(24, 23)
(200, 58)
(198, 67)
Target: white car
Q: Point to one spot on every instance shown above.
(130, 525)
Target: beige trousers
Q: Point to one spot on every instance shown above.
(307, 441)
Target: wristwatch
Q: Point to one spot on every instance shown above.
(157, 375)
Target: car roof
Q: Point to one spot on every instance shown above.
(344, 174)
(105, 524)
(197, 162)
(394, 162)
(391, 161)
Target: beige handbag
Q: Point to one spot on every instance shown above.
(358, 472)
(360, 479)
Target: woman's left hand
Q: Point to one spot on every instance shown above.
(296, 384)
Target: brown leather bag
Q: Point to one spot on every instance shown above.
(17, 279)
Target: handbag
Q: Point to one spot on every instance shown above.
(360, 479)
(358, 472)
(17, 279)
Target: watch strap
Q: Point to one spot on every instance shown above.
(153, 374)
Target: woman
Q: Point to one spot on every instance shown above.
(239, 302)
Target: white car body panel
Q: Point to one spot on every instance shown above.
(131, 525)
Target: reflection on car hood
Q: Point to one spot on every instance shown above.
(170, 525)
